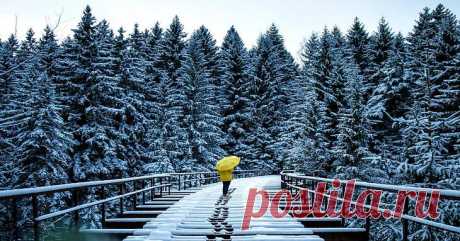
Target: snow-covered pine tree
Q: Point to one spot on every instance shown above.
(380, 46)
(154, 38)
(64, 79)
(96, 103)
(259, 138)
(41, 144)
(75, 65)
(236, 77)
(210, 54)
(7, 65)
(429, 140)
(8, 75)
(155, 103)
(447, 102)
(43, 149)
(133, 84)
(358, 42)
(390, 101)
(303, 137)
(280, 90)
(202, 119)
(350, 146)
(275, 71)
(321, 77)
(171, 147)
(430, 129)
(119, 46)
(15, 116)
(8, 84)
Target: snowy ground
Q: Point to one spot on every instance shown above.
(188, 218)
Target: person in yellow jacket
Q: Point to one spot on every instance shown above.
(226, 178)
(225, 167)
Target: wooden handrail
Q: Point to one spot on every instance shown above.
(163, 182)
(21, 192)
(451, 194)
(288, 179)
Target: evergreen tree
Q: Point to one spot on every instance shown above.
(8, 84)
(133, 85)
(391, 100)
(172, 144)
(236, 76)
(321, 77)
(358, 42)
(43, 149)
(8, 65)
(275, 71)
(76, 62)
(429, 126)
(304, 134)
(380, 45)
(154, 37)
(208, 45)
(96, 102)
(380, 49)
(201, 117)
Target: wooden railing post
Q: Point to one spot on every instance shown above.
(14, 216)
(102, 190)
(152, 191)
(169, 185)
(405, 222)
(143, 193)
(343, 196)
(161, 186)
(282, 181)
(121, 188)
(35, 223)
(76, 201)
(134, 198)
(178, 182)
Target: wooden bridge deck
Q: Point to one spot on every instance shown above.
(186, 217)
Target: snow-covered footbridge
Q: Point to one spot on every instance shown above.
(189, 206)
(206, 215)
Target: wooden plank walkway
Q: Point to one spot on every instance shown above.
(189, 218)
(203, 214)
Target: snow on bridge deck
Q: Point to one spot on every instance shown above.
(188, 218)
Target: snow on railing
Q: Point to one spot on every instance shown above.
(451, 194)
(69, 186)
(299, 182)
(152, 185)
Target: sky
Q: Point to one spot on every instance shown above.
(297, 20)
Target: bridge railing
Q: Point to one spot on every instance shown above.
(141, 189)
(296, 182)
(182, 181)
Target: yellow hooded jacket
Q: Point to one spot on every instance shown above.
(226, 176)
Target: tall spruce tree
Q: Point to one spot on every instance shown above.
(172, 146)
(132, 83)
(275, 71)
(358, 42)
(379, 51)
(236, 77)
(95, 102)
(202, 119)
(44, 147)
(429, 121)
(304, 135)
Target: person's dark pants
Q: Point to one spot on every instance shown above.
(225, 186)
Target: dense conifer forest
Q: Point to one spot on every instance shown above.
(374, 105)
